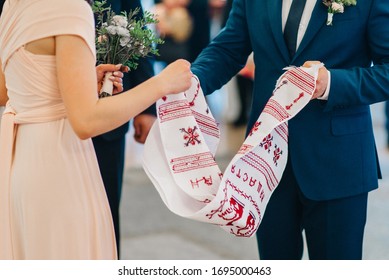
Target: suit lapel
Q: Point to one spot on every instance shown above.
(318, 19)
(275, 19)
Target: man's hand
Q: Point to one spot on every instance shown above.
(322, 79)
(142, 125)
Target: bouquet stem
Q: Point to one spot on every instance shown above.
(107, 88)
(329, 18)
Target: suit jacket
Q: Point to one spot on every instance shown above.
(331, 143)
(134, 77)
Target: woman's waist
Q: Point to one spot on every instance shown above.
(38, 114)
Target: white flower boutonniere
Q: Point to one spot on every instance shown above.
(337, 6)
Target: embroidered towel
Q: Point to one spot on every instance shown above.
(180, 149)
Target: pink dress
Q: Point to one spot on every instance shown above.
(52, 199)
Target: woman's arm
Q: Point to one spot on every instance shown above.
(90, 116)
(3, 89)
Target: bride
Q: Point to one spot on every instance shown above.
(52, 200)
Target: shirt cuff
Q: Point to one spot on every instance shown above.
(327, 92)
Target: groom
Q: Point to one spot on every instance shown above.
(332, 161)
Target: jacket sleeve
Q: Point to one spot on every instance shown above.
(227, 54)
(365, 85)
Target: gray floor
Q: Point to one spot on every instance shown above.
(151, 232)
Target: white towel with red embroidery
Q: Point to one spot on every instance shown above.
(179, 155)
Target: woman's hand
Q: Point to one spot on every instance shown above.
(116, 78)
(176, 77)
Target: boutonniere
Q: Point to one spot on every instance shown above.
(337, 6)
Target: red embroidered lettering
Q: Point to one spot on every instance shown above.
(245, 177)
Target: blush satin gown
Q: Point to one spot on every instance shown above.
(52, 199)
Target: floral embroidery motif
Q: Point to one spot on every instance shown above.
(267, 143)
(255, 128)
(191, 136)
(277, 155)
(336, 6)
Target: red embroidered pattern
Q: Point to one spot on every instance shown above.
(250, 227)
(254, 128)
(244, 148)
(282, 131)
(267, 143)
(206, 124)
(192, 162)
(235, 210)
(263, 167)
(301, 79)
(190, 136)
(237, 200)
(198, 87)
(174, 110)
(275, 109)
(288, 107)
(203, 180)
(277, 155)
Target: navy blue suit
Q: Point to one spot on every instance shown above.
(332, 162)
(110, 147)
(200, 37)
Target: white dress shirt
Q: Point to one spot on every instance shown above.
(306, 16)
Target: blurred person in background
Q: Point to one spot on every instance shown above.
(174, 26)
(244, 80)
(110, 146)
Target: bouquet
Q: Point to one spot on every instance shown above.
(122, 39)
(335, 7)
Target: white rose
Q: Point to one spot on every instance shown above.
(124, 41)
(112, 30)
(123, 32)
(337, 7)
(120, 21)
